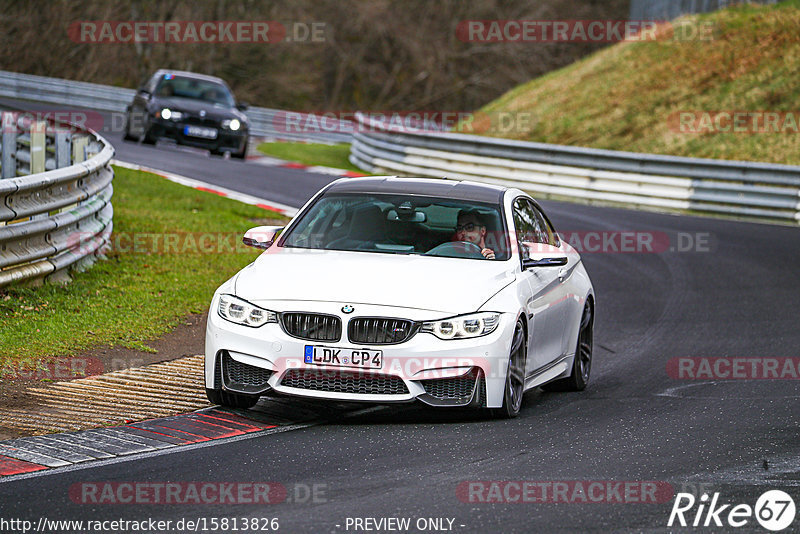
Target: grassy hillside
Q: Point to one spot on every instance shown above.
(628, 96)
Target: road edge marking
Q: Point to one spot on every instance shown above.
(199, 185)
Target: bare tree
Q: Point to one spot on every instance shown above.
(381, 54)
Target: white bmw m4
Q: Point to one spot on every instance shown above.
(392, 289)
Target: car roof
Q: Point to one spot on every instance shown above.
(460, 190)
(187, 74)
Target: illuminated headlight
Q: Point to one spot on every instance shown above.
(168, 114)
(231, 124)
(242, 312)
(465, 326)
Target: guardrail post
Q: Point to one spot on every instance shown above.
(38, 144)
(38, 154)
(63, 143)
(79, 145)
(9, 164)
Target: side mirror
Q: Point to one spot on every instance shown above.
(242, 106)
(261, 236)
(540, 255)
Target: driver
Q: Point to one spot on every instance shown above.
(471, 228)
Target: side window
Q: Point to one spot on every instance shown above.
(527, 225)
(152, 83)
(310, 231)
(551, 237)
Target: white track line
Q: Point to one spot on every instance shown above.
(267, 204)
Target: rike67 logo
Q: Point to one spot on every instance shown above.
(774, 510)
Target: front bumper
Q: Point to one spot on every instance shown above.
(439, 372)
(226, 140)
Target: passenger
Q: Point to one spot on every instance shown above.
(471, 228)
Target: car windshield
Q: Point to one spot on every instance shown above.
(401, 224)
(192, 88)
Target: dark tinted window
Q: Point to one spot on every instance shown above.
(395, 224)
(182, 87)
(552, 237)
(528, 225)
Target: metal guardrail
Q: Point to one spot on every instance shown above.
(55, 199)
(735, 188)
(264, 122)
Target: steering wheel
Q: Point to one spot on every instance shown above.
(456, 249)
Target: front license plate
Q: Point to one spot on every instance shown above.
(358, 358)
(199, 131)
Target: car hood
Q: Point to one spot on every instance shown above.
(448, 285)
(194, 107)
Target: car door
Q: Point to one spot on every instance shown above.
(566, 306)
(544, 334)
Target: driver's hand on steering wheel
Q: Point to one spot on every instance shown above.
(488, 253)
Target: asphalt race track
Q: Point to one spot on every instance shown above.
(734, 295)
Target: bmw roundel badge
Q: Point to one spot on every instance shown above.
(347, 308)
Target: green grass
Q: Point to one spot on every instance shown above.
(623, 96)
(312, 154)
(136, 295)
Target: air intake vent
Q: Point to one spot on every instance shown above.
(344, 382)
(457, 388)
(244, 378)
(380, 330)
(312, 326)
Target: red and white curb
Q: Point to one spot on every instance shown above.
(42, 455)
(266, 204)
(32, 454)
(318, 169)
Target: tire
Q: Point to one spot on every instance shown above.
(126, 136)
(231, 400)
(582, 363)
(243, 153)
(147, 137)
(515, 376)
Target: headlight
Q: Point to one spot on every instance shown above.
(242, 312)
(168, 114)
(465, 326)
(232, 124)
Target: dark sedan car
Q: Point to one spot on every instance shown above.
(192, 109)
